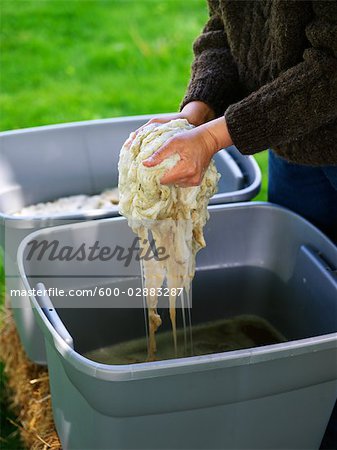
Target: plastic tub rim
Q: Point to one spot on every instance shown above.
(251, 190)
(214, 208)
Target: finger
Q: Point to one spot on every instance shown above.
(128, 142)
(134, 134)
(176, 175)
(163, 119)
(149, 122)
(183, 183)
(182, 175)
(164, 152)
(189, 183)
(159, 120)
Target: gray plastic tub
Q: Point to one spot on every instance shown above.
(260, 259)
(44, 163)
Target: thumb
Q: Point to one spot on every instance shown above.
(159, 156)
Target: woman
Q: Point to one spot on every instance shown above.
(265, 76)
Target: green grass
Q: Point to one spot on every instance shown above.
(76, 60)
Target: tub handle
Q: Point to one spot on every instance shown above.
(234, 166)
(50, 312)
(320, 263)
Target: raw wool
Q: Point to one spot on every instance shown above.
(175, 216)
(74, 203)
(28, 390)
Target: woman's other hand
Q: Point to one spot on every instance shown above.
(196, 113)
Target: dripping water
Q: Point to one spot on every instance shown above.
(145, 309)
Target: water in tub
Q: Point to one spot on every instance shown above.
(217, 336)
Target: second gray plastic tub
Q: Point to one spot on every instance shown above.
(44, 163)
(260, 259)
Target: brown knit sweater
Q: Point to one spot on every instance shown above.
(271, 67)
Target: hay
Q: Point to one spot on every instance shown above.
(28, 390)
(28, 383)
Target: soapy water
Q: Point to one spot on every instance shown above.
(244, 331)
(253, 299)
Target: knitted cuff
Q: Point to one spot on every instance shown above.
(248, 126)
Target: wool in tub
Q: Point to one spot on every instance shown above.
(74, 203)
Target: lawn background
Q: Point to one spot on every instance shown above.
(64, 61)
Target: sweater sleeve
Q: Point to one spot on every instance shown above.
(298, 102)
(214, 78)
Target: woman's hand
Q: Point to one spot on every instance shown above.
(195, 148)
(196, 113)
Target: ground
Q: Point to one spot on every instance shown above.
(65, 61)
